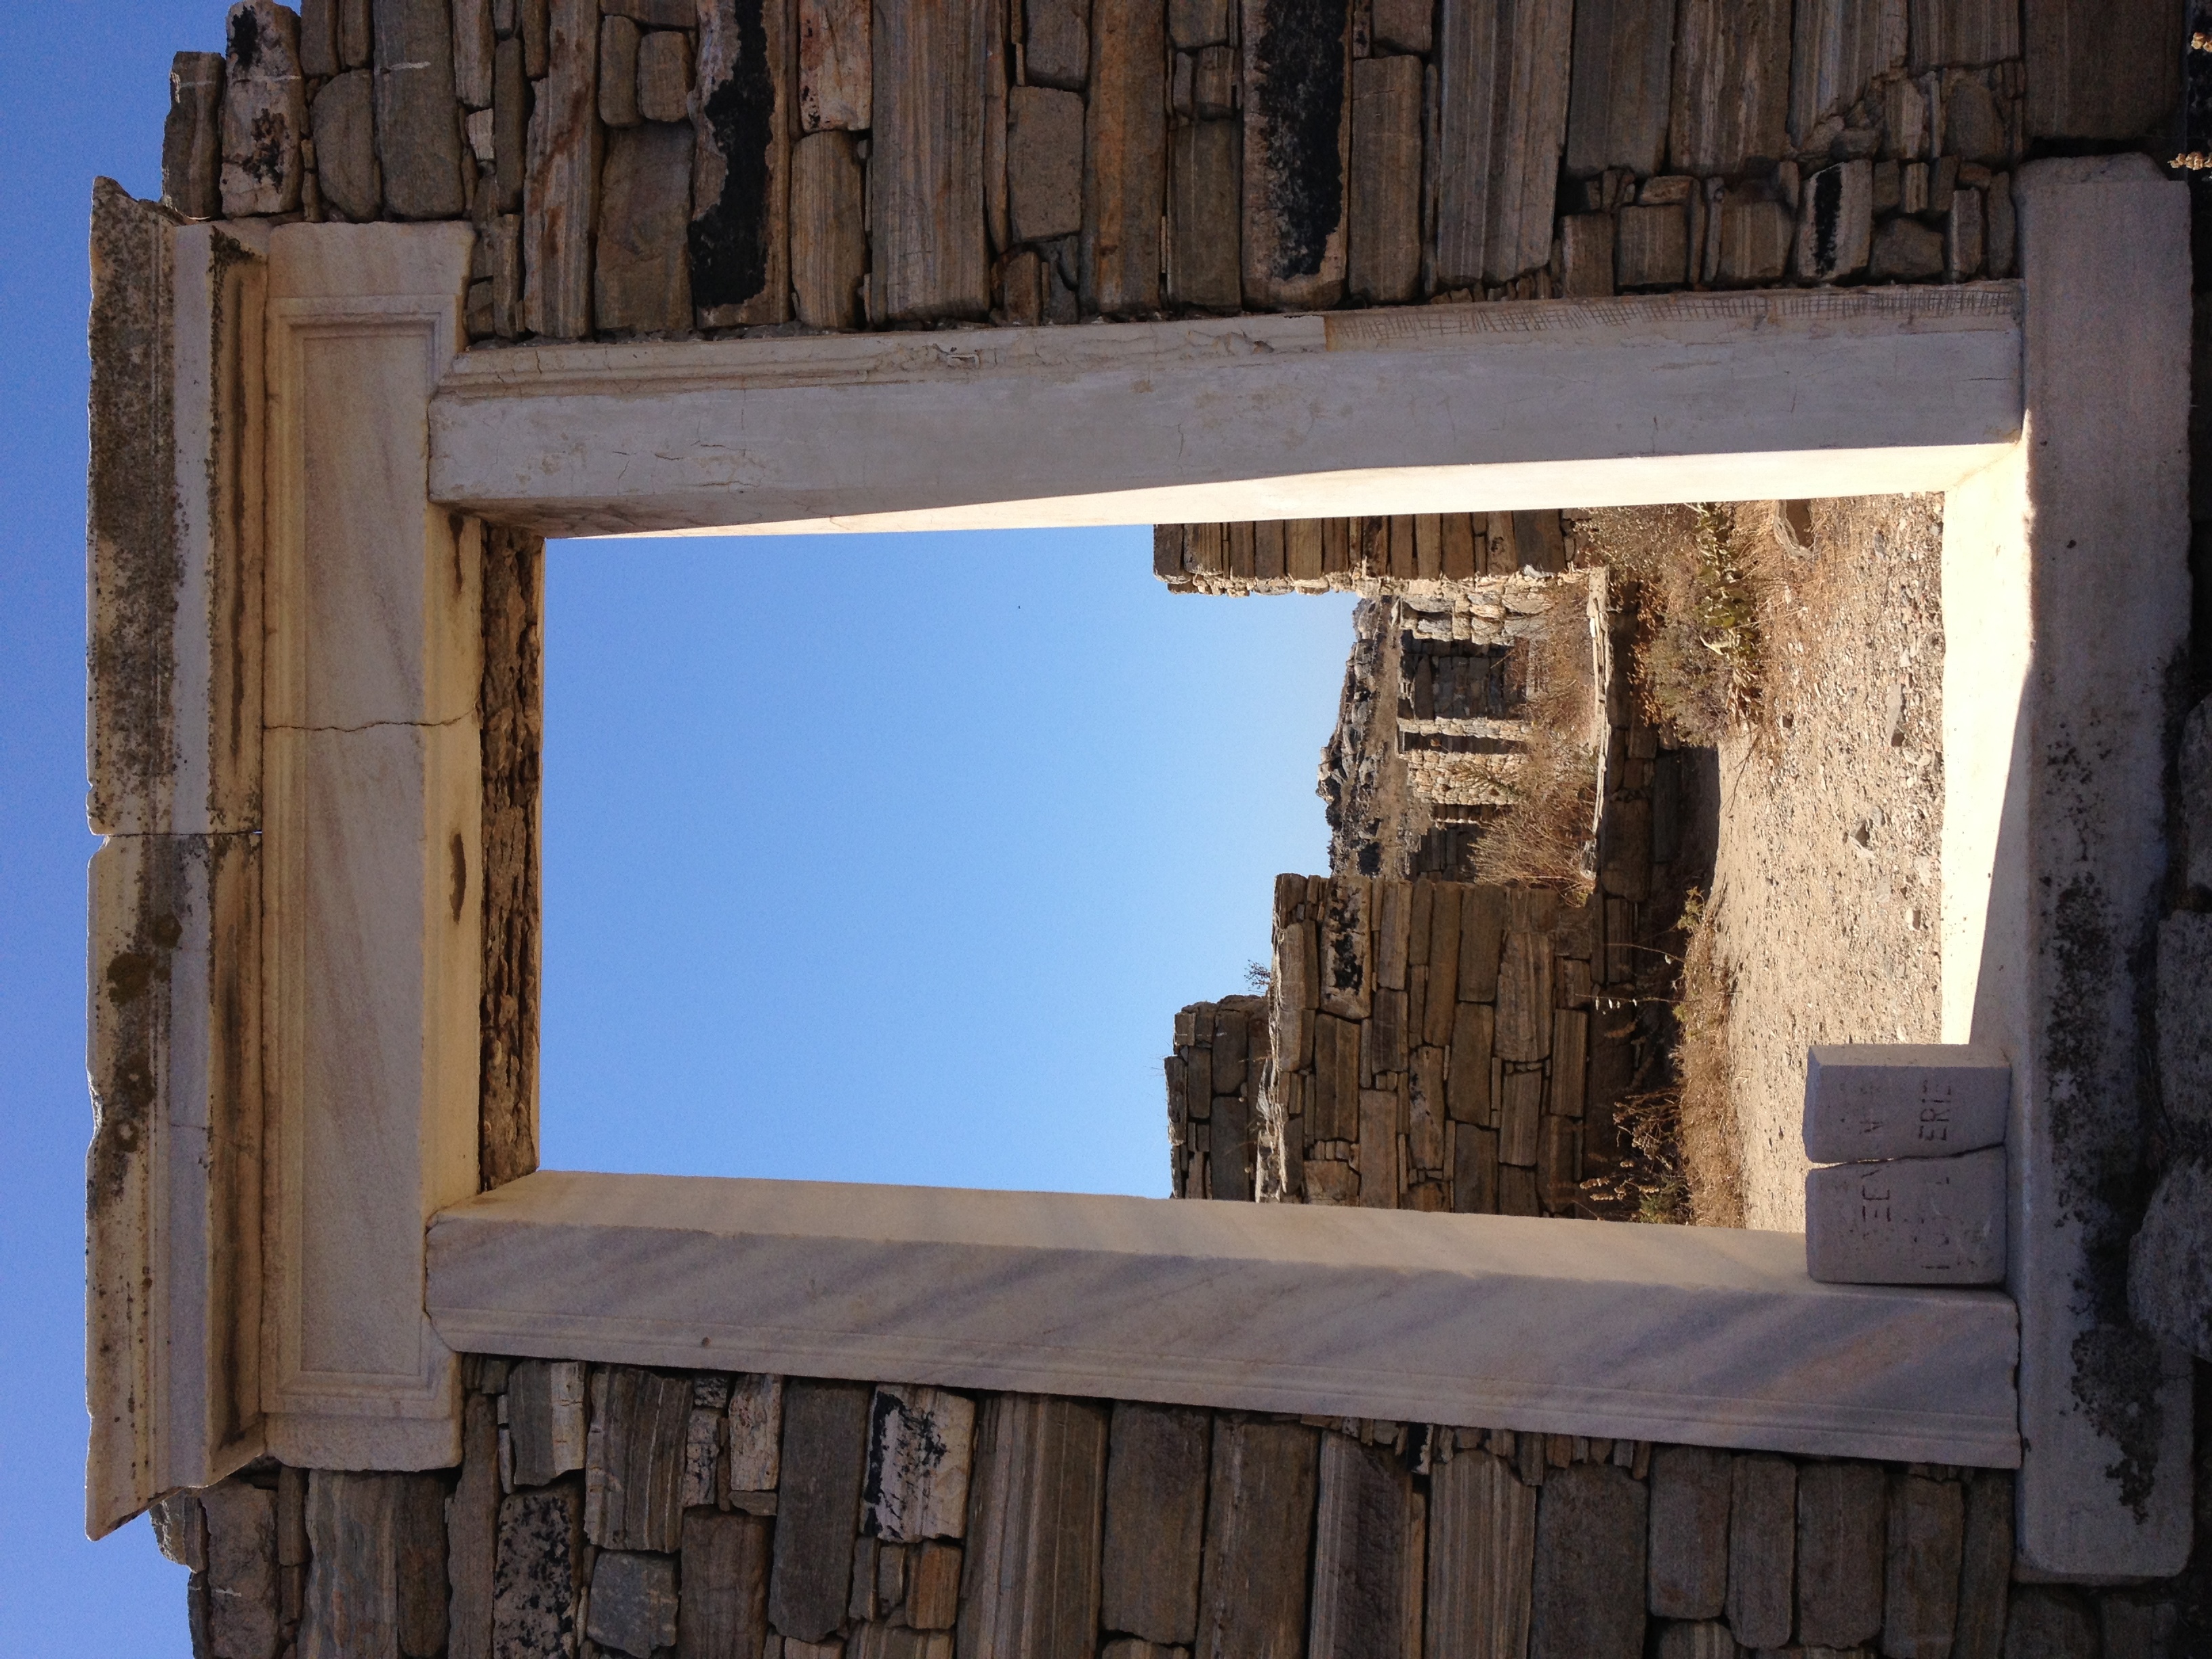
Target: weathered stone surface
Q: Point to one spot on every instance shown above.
(353, 1577)
(418, 117)
(1297, 126)
(932, 1591)
(920, 1445)
(1985, 1575)
(475, 45)
(740, 187)
(755, 1461)
(1383, 263)
(664, 75)
(634, 1459)
(1467, 1072)
(1044, 163)
(1963, 32)
(1926, 1542)
(1689, 1539)
(419, 1565)
(2135, 1627)
(1482, 1551)
(1203, 255)
(1475, 1171)
(561, 199)
(1124, 158)
(2194, 763)
(241, 1569)
(1762, 1550)
(1908, 1221)
(1367, 1578)
(1258, 1530)
(180, 1529)
(265, 111)
(833, 66)
(702, 1455)
(1031, 1583)
(2102, 71)
(319, 37)
(1841, 1515)
(346, 168)
(191, 137)
(1524, 996)
(545, 1420)
(724, 1577)
(1155, 1521)
(1586, 256)
(472, 1532)
(1586, 1601)
(2184, 1013)
(2048, 1624)
(2170, 1261)
(1916, 1100)
(1835, 221)
(1838, 47)
(1503, 81)
(1731, 85)
(829, 230)
(823, 1456)
(632, 1604)
(618, 39)
(1652, 247)
(926, 187)
(1623, 60)
(539, 1578)
(643, 282)
(1905, 251)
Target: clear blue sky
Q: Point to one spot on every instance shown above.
(876, 859)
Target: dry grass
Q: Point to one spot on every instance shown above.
(1547, 837)
(1706, 1129)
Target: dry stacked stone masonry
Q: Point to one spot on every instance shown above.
(659, 166)
(604, 1511)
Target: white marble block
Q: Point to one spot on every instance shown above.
(1909, 1221)
(1904, 1100)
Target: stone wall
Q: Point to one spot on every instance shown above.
(603, 1511)
(1411, 553)
(648, 167)
(1216, 1079)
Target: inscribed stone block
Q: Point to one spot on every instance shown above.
(419, 119)
(1624, 58)
(1519, 1118)
(926, 187)
(1755, 240)
(1586, 256)
(1379, 1115)
(823, 1457)
(1524, 996)
(834, 68)
(1424, 1110)
(1903, 1100)
(265, 111)
(1044, 163)
(740, 190)
(829, 230)
(353, 1601)
(1587, 1597)
(1155, 1521)
(472, 1532)
(545, 1420)
(1124, 158)
(920, 1444)
(345, 120)
(1482, 1547)
(1689, 1544)
(1909, 1221)
(643, 282)
(1259, 1534)
(1367, 1553)
(1731, 96)
(1297, 133)
(241, 1523)
(755, 1433)
(633, 1604)
(1842, 1511)
(1031, 1583)
(1347, 948)
(1503, 81)
(1383, 1039)
(724, 1613)
(1926, 1541)
(702, 1457)
(1384, 257)
(561, 202)
(1203, 263)
(1762, 1550)
(1835, 221)
(618, 40)
(634, 1459)
(1481, 938)
(191, 137)
(1651, 246)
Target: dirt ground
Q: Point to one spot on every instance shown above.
(1825, 892)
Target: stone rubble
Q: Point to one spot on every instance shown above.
(1226, 158)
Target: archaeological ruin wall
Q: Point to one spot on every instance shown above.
(658, 166)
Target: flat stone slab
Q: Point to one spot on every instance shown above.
(1904, 1100)
(1707, 1336)
(1908, 1221)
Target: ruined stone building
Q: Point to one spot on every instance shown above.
(1342, 293)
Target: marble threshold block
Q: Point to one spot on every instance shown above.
(1701, 1335)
